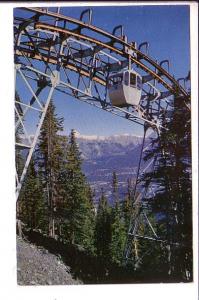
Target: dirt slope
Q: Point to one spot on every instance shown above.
(36, 266)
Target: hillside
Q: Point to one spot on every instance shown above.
(36, 266)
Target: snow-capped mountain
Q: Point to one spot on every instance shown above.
(93, 147)
(103, 155)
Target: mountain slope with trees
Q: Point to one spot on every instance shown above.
(57, 200)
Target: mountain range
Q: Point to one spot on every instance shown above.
(104, 155)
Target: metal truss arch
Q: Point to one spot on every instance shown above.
(54, 52)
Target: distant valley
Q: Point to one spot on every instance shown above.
(104, 155)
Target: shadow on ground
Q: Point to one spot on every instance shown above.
(89, 268)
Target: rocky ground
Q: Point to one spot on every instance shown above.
(36, 266)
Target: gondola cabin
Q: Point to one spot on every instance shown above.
(125, 88)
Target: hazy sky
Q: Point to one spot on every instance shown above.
(166, 28)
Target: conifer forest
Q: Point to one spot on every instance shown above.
(56, 202)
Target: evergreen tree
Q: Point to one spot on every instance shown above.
(79, 225)
(50, 157)
(115, 191)
(103, 229)
(172, 178)
(127, 206)
(118, 232)
(31, 205)
(118, 236)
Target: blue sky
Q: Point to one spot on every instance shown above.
(166, 28)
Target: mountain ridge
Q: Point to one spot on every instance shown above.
(104, 155)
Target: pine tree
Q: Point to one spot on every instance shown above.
(118, 236)
(115, 191)
(103, 229)
(79, 224)
(118, 232)
(172, 178)
(50, 156)
(127, 206)
(31, 205)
